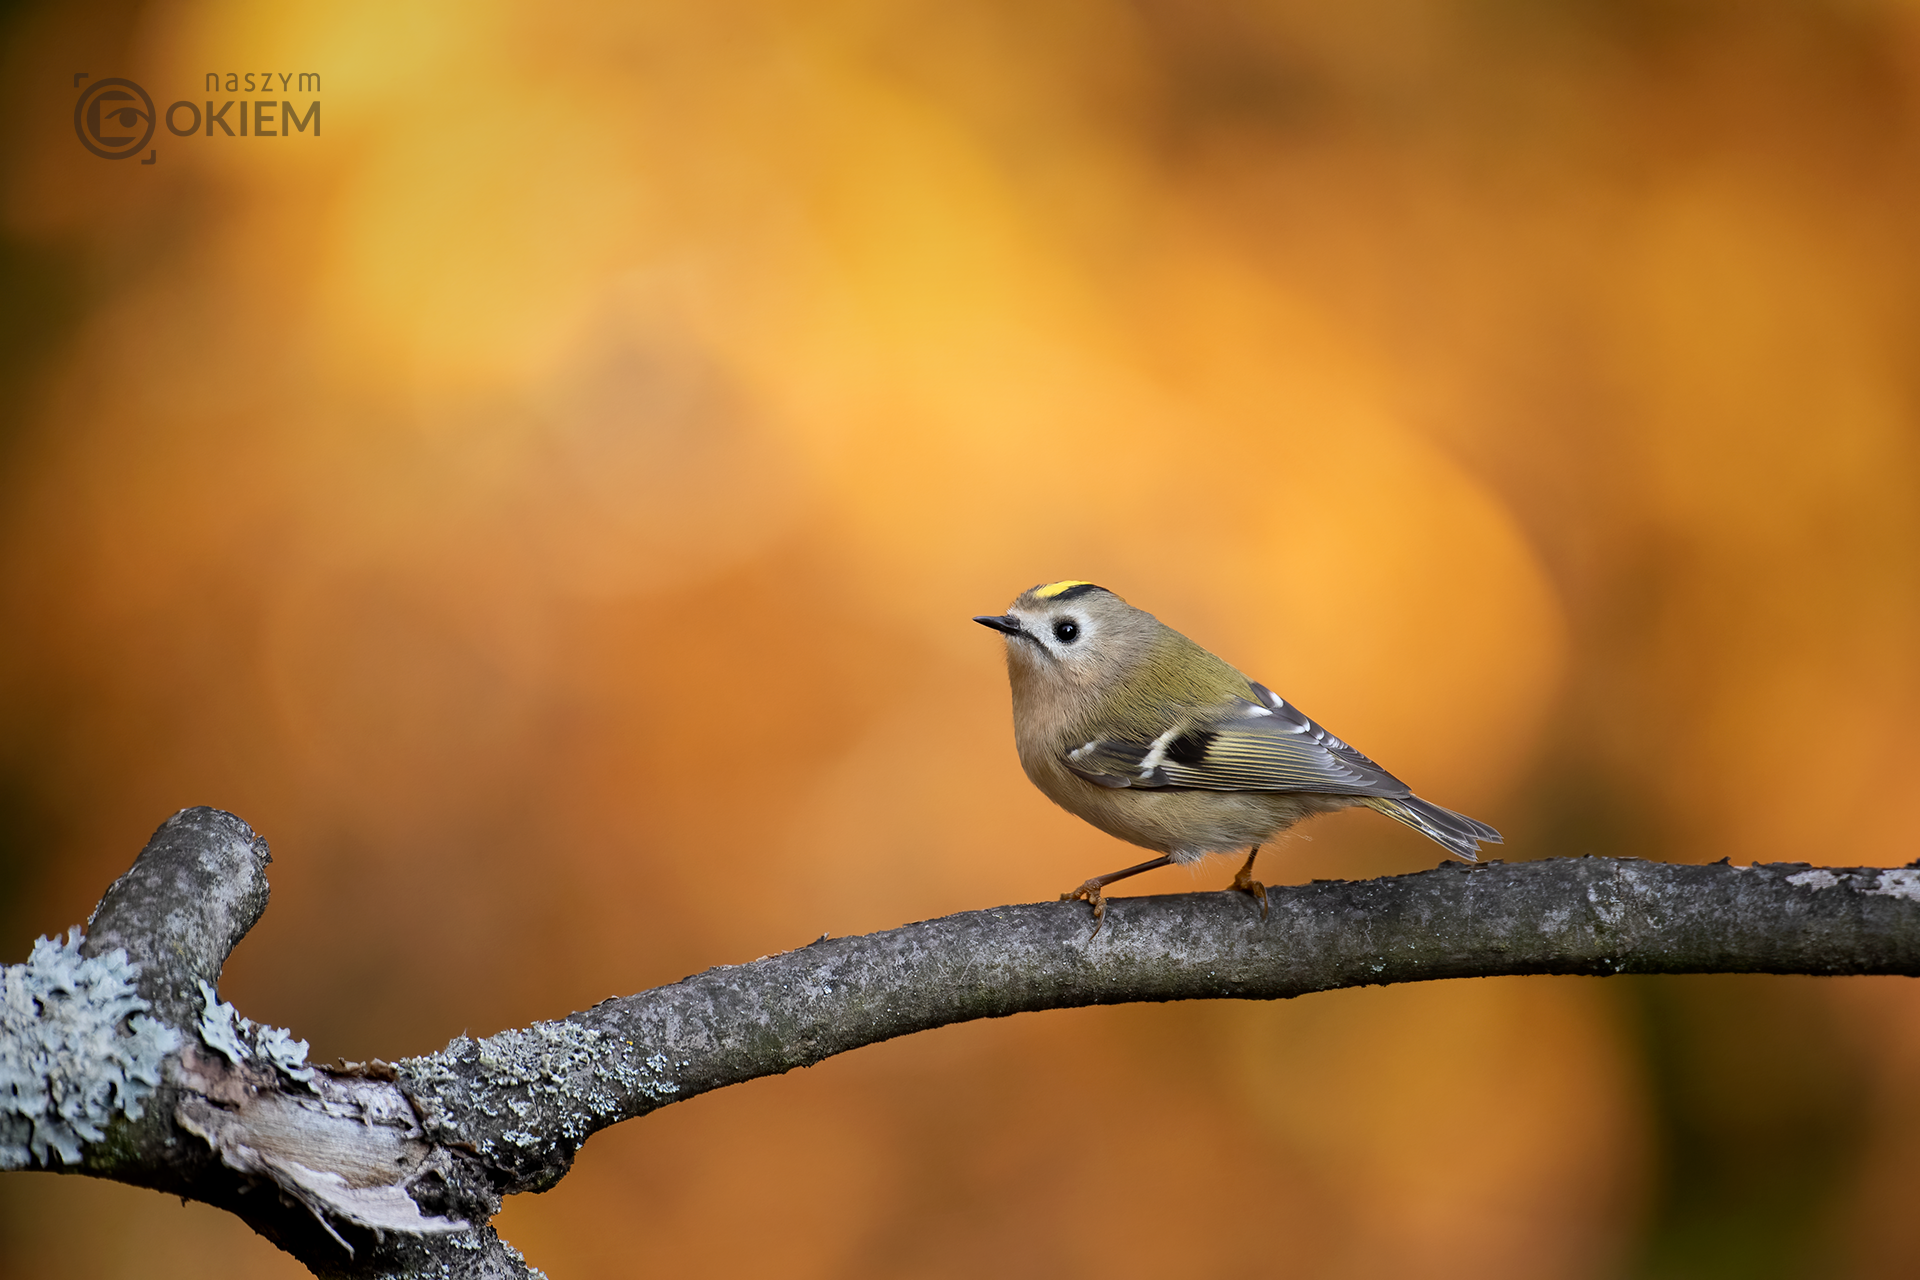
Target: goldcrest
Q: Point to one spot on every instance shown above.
(1123, 721)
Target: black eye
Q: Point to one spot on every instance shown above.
(1066, 631)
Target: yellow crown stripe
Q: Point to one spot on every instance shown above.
(1053, 589)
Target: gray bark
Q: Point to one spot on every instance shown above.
(395, 1169)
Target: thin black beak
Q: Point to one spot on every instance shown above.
(1009, 624)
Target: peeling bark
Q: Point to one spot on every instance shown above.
(395, 1169)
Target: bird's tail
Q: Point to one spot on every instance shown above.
(1456, 832)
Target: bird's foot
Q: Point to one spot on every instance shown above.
(1243, 881)
(1093, 893)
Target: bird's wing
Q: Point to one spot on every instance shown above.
(1266, 745)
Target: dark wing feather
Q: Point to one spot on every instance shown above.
(1244, 746)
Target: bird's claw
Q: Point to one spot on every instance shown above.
(1094, 894)
(1243, 881)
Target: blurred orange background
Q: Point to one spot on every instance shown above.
(548, 506)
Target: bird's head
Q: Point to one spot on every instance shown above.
(1071, 633)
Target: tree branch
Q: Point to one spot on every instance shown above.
(396, 1169)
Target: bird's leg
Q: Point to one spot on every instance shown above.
(1094, 890)
(1245, 882)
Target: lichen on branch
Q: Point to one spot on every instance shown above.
(76, 1049)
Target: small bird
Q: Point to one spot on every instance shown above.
(1123, 721)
